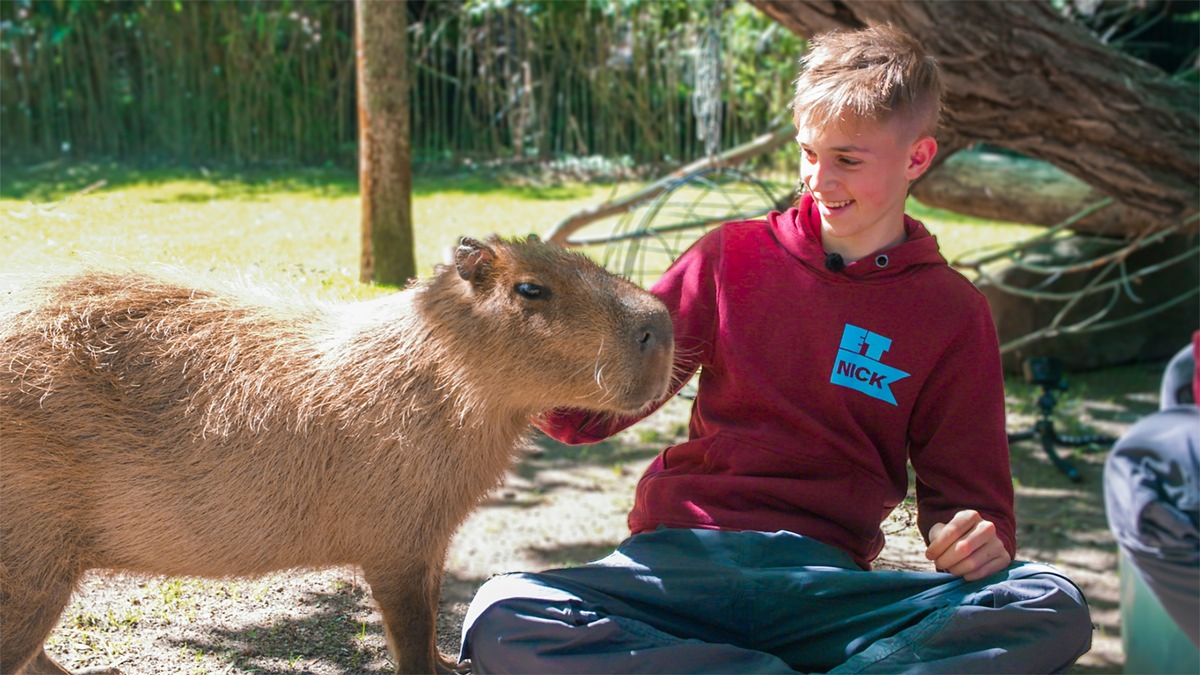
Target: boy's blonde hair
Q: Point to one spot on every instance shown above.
(878, 73)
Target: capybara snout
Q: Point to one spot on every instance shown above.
(155, 427)
(656, 343)
(553, 307)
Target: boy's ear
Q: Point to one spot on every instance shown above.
(920, 156)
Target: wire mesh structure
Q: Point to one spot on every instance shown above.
(648, 238)
(652, 234)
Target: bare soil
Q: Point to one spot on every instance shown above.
(564, 506)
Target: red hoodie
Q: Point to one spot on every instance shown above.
(817, 386)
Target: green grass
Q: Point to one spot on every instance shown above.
(300, 226)
(958, 234)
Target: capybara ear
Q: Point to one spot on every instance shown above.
(473, 260)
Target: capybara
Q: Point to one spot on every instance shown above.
(149, 426)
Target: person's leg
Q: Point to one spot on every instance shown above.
(1028, 618)
(667, 601)
(696, 601)
(1152, 499)
(556, 631)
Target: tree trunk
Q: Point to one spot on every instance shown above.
(1022, 190)
(1021, 77)
(385, 150)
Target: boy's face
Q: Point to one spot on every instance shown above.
(859, 172)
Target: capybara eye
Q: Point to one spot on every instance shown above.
(532, 291)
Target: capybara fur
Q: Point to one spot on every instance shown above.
(153, 427)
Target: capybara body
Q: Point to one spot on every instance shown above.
(153, 427)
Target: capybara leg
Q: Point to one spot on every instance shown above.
(22, 634)
(44, 665)
(32, 597)
(408, 601)
(446, 665)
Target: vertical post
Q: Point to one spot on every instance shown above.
(384, 146)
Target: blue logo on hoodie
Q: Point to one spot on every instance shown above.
(858, 364)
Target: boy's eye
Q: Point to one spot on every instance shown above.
(848, 161)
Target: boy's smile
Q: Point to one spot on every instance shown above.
(858, 173)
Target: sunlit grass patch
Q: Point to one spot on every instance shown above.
(958, 234)
(301, 228)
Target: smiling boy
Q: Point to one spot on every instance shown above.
(850, 169)
(835, 347)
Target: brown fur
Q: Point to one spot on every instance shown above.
(153, 427)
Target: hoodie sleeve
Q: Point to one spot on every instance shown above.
(957, 438)
(689, 291)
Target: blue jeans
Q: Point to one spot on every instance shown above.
(707, 601)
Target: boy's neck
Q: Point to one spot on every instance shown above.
(857, 249)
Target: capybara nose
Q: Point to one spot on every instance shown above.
(651, 377)
(655, 332)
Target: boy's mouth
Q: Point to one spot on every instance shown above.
(833, 206)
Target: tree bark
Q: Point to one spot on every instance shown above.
(1019, 76)
(385, 149)
(1021, 190)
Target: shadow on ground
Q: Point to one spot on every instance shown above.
(331, 634)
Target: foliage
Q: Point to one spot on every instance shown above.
(299, 227)
(1161, 32)
(181, 80)
(273, 80)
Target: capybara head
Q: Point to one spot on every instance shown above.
(558, 329)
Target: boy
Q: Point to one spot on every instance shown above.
(835, 345)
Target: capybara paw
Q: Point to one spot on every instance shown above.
(450, 666)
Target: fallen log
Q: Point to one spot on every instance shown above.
(1021, 76)
(1001, 186)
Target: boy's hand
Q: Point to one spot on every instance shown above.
(967, 547)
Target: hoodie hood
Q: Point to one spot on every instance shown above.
(799, 231)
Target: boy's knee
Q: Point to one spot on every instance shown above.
(488, 639)
(512, 586)
(1043, 588)
(497, 590)
(502, 609)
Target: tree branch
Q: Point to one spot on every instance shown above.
(1019, 76)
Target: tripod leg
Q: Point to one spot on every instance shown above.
(1018, 436)
(1082, 441)
(1049, 437)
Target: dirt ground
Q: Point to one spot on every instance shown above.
(563, 506)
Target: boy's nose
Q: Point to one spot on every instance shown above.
(815, 177)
